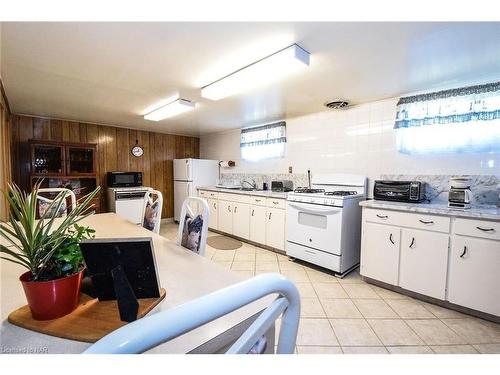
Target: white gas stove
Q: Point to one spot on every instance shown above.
(324, 222)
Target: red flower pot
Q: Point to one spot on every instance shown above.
(52, 299)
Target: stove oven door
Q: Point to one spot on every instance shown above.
(315, 226)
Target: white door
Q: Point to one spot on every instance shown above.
(424, 262)
(474, 274)
(380, 252)
(225, 216)
(183, 170)
(182, 190)
(212, 207)
(241, 220)
(258, 224)
(315, 226)
(275, 228)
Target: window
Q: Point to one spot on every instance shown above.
(459, 120)
(263, 142)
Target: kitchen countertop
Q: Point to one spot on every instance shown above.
(487, 212)
(260, 193)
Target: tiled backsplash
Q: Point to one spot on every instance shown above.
(484, 188)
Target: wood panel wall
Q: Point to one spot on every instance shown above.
(114, 150)
(5, 162)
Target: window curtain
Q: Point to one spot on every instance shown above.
(263, 142)
(477, 104)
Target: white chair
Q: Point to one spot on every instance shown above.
(153, 203)
(151, 331)
(45, 202)
(194, 216)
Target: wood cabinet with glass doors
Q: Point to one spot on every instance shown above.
(69, 165)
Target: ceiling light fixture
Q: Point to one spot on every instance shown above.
(171, 109)
(271, 68)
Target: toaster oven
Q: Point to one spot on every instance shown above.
(401, 191)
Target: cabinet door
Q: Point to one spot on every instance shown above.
(225, 216)
(213, 212)
(80, 160)
(47, 159)
(275, 228)
(241, 220)
(258, 224)
(474, 279)
(380, 252)
(424, 262)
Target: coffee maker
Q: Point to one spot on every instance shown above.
(460, 195)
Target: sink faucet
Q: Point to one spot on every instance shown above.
(253, 184)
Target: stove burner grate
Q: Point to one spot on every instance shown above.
(306, 190)
(341, 193)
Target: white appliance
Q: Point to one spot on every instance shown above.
(324, 222)
(189, 174)
(128, 202)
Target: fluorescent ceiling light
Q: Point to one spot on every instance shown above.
(269, 69)
(169, 110)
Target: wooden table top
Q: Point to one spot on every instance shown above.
(184, 274)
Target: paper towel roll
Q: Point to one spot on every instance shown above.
(227, 164)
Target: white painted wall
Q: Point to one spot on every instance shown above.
(358, 140)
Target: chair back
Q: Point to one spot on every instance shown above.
(193, 225)
(44, 202)
(153, 203)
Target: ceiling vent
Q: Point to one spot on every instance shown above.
(336, 104)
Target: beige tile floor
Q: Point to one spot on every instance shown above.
(350, 316)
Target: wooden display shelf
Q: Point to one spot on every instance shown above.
(89, 322)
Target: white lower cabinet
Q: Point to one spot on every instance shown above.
(275, 228)
(424, 262)
(258, 224)
(213, 212)
(225, 216)
(474, 274)
(380, 252)
(255, 218)
(241, 220)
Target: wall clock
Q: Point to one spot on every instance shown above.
(137, 151)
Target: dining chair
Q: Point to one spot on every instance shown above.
(193, 225)
(44, 202)
(153, 203)
(151, 331)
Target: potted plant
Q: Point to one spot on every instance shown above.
(48, 248)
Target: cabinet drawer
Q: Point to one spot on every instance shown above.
(427, 222)
(257, 201)
(234, 197)
(477, 228)
(276, 203)
(382, 216)
(313, 256)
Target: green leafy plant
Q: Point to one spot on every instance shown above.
(39, 245)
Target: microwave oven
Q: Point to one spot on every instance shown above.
(401, 191)
(124, 179)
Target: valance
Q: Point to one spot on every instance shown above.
(467, 104)
(263, 135)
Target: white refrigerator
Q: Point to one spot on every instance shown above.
(190, 174)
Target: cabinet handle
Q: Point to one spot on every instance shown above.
(486, 229)
(390, 238)
(464, 252)
(215, 206)
(229, 208)
(257, 200)
(270, 215)
(275, 202)
(412, 242)
(382, 216)
(426, 222)
(252, 212)
(235, 208)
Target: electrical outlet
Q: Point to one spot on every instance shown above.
(290, 169)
